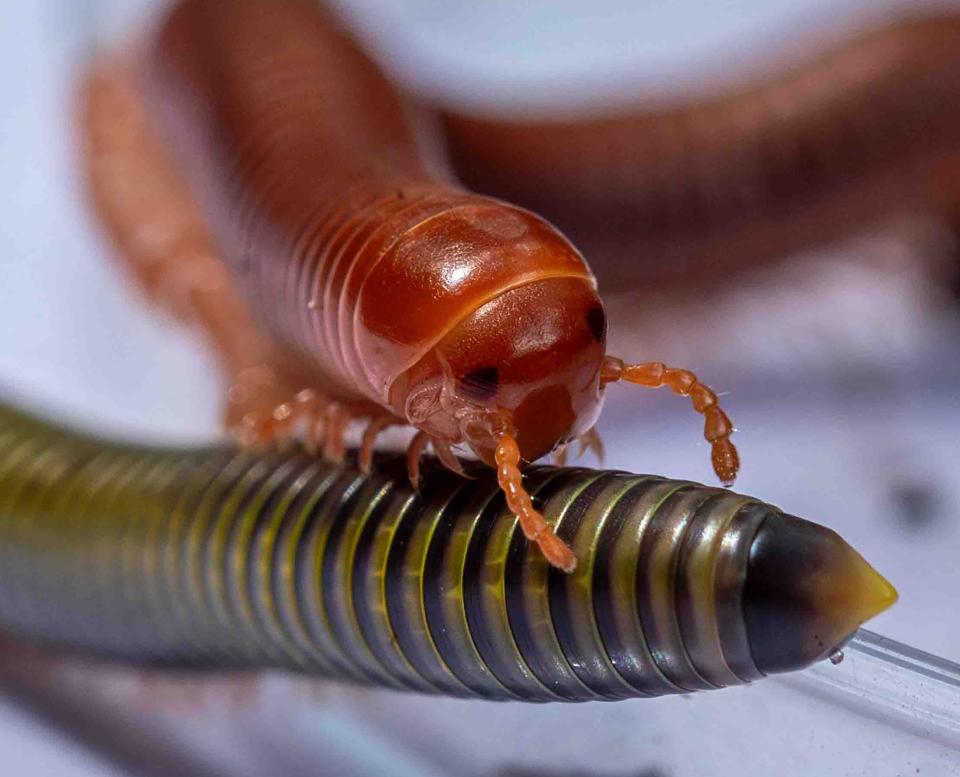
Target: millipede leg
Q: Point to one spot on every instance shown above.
(335, 420)
(264, 418)
(560, 456)
(447, 457)
(535, 527)
(242, 420)
(369, 441)
(717, 426)
(414, 453)
(591, 441)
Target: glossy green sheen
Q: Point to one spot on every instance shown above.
(219, 557)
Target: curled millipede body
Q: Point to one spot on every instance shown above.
(218, 557)
(688, 191)
(255, 136)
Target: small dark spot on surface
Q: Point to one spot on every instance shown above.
(401, 195)
(480, 384)
(597, 323)
(917, 504)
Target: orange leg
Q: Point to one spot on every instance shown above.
(717, 427)
(369, 441)
(320, 422)
(336, 417)
(535, 528)
(447, 457)
(260, 412)
(443, 450)
(248, 418)
(294, 417)
(414, 454)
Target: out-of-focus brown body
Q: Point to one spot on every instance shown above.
(686, 195)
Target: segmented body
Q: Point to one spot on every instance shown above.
(352, 253)
(362, 282)
(230, 559)
(851, 135)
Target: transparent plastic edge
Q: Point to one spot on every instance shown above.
(891, 682)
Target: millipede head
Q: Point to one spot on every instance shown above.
(529, 359)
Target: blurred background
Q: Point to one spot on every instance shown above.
(839, 368)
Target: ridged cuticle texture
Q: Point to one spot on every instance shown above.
(227, 558)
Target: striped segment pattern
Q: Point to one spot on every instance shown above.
(220, 558)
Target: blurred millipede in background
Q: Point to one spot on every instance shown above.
(220, 558)
(689, 191)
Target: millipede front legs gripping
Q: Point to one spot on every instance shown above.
(224, 558)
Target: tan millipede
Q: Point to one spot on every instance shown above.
(339, 276)
(840, 140)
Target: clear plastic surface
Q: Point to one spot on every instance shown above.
(895, 683)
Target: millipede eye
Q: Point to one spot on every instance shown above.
(480, 384)
(597, 323)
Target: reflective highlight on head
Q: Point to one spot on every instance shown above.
(528, 360)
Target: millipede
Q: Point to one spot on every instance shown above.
(262, 176)
(689, 191)
(257, 170)
(231, 558)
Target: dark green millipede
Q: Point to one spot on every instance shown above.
(221, 558)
